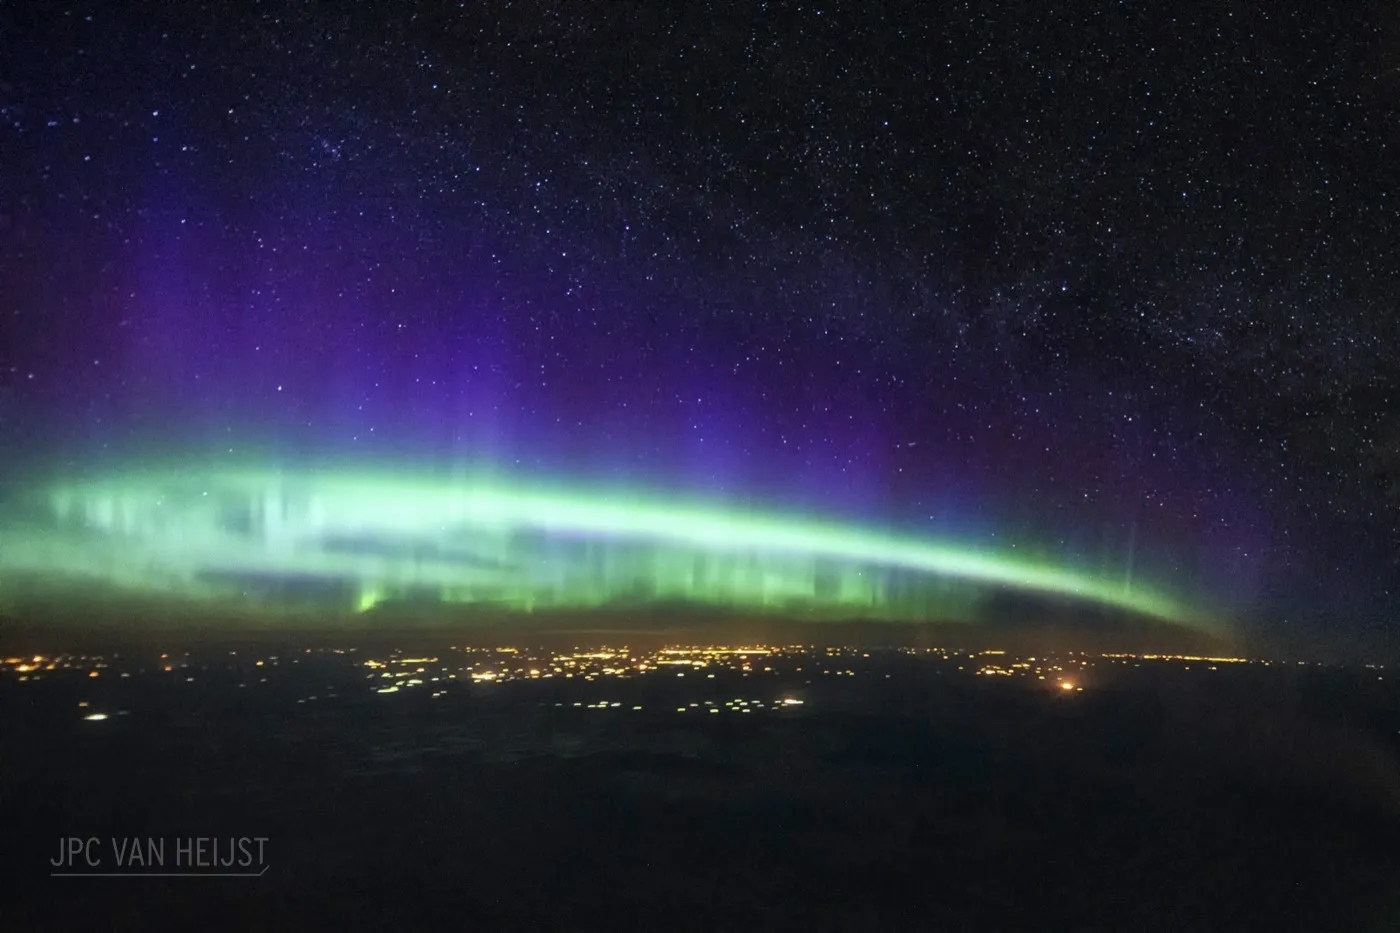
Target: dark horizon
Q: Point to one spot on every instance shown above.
(134, 628)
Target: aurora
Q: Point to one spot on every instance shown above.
(357, 539)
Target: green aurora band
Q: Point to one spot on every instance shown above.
(357, 539)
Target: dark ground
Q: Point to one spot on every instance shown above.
(1158, 799)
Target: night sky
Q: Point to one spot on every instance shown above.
(1116, 281)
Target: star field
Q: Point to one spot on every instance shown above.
(1110, 280)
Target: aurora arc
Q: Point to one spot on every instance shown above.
(482, 540)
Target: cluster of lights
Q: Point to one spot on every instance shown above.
(1183, 657)
(35, 666)
(489, 668)
(505, 664)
